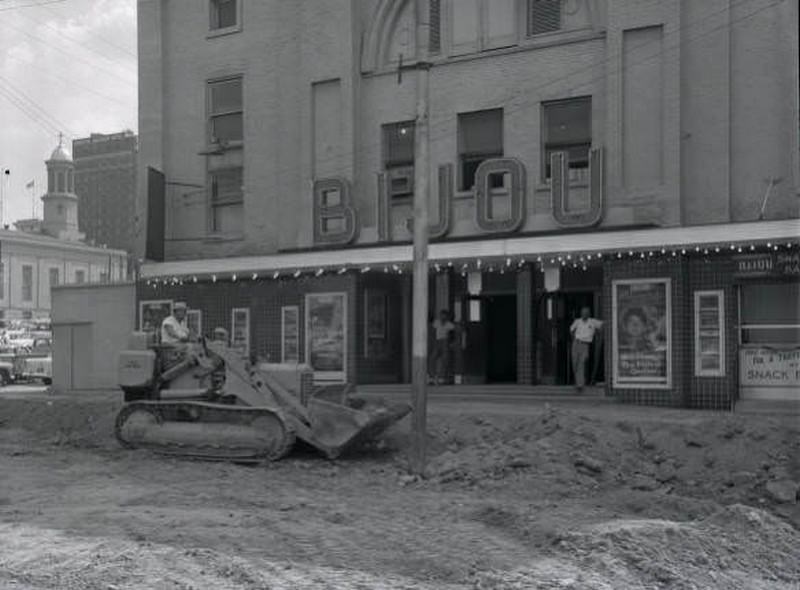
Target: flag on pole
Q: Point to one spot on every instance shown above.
(30, 184)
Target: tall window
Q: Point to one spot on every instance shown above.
(227, 200)
(53, 277)
(709, 333)
(224, 14)
(398, 158)
(478, 25)
(240, 329)
(2, 280)
(398, 144)
(544, 16)
(27, 282)
(225, 111)
(567, 127)
(80, 276)
(480, 137)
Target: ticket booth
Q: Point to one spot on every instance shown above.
(768, 288)
(769, 340)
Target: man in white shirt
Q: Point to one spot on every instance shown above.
(173, 328)
(583, 332)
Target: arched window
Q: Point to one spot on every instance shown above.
(51, 181)
(60, 182)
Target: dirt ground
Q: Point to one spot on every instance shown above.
(533, 496)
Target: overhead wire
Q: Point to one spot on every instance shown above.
(125, 50)
(32, 5)
(41, 123)
(72, 83)
(32, 106)
(79, 43)
(94, 66)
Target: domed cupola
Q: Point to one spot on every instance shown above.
(60, 201)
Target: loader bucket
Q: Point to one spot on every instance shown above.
(336, 428)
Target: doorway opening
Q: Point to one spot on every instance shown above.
(501, 338)
(554, 315)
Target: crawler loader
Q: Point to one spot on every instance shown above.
(205, 400)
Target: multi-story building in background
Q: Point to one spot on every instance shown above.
(637, 157)
(105, 181)
(44, 253)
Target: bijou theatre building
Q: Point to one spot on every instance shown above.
(634, 158)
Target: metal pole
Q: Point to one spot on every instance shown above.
(6, 173)
(419, 357)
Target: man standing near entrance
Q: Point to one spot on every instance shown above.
(583, 331)
(443, 330)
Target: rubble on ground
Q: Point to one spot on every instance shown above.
(561, 452)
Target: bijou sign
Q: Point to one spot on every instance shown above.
(336, 220)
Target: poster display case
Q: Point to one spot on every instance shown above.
(326, 335)
(642, 333)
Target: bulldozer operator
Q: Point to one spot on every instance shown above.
(174, 330)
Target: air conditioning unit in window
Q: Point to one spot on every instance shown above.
(400, 182)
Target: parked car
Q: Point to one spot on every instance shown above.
(35, 364)
(7, 368)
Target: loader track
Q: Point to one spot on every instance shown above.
(202, 430)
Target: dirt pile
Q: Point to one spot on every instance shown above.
(84, 421)
(737, 547)
(34, 558)
(558, 452)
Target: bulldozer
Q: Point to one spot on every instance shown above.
(206, 400)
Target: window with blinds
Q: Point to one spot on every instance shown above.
(544, 16)
(225, 110)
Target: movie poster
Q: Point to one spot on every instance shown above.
(641, 334)
(152, 313)
(326, 334)
(240, 330)
(290, 330)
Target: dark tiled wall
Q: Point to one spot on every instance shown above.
(265, 299)
(717, 393)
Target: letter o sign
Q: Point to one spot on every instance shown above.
(514, 190)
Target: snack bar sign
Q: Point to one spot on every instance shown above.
(769, 367)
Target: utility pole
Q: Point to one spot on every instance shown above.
(419, 333)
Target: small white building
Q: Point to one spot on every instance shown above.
(42, 253)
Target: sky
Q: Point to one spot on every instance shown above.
(66, 66)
